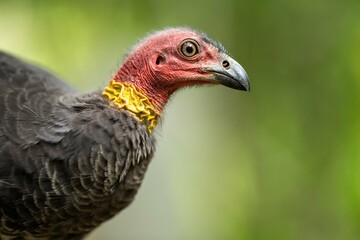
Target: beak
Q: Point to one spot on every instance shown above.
(229, 73)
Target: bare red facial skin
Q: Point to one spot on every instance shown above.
(158, 68)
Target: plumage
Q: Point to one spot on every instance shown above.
(70, 161)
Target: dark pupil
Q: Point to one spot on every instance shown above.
(189, 49)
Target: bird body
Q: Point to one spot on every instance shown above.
(70, 161)
(70, 164)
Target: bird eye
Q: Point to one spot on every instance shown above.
(189, 48)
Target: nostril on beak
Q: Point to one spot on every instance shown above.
(226, 64)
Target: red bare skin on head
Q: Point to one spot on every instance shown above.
(157, 66)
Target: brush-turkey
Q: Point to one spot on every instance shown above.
(70, 161)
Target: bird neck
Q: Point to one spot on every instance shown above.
(124, 95)
(138, 72)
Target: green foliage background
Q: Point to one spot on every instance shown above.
(282, 162)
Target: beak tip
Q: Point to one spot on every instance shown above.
(244, 82)
(245, 87)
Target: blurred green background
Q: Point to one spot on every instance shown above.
(282, 162)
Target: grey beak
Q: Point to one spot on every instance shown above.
(230, 73)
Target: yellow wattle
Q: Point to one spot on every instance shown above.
(124, 95)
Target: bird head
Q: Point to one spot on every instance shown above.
(174, 58)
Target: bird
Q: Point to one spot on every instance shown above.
(70, 161)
